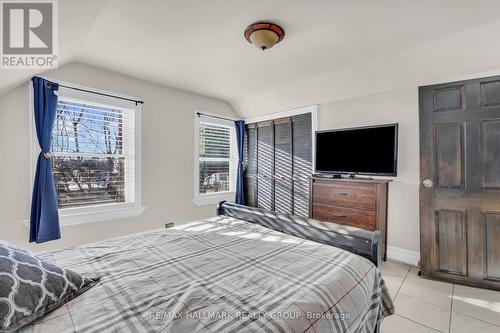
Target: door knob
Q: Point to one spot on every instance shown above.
(427, 183)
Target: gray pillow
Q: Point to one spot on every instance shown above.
(31, 287)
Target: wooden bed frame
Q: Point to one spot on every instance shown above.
(358, 241)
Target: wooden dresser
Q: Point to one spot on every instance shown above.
(355, 202)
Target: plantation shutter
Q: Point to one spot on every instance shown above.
(251, 165)
(265, 165)
(283, 152)
(279, 163)
(302, 162)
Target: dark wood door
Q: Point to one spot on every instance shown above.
(460, 182)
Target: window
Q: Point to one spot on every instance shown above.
(95, 157)
(215, 160)
(91, 148)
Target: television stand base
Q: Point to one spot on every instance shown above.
(362, 178)
(347, 176)
(339, 176)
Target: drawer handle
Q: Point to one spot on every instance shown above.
(341, 193)
(340, 215)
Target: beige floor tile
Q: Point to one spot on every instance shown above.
(394, 274)
(430, 315)
(434, 292)
(424, 305)
(393, 283)
(394, 268)
(478, 303)
(397, 324)
(464, 324)
(414, 272)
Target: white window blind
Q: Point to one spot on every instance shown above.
(214, 158)
(93, 154)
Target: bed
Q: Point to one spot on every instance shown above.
(246, 270)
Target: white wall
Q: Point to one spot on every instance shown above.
(398, 106)
(168, 168)
(393, 106)
(167, 156)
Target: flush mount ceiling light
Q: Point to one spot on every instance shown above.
(264, 35)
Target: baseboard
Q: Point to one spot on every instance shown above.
(403, 255)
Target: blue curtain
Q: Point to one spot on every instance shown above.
(44, 219)
(240, 138)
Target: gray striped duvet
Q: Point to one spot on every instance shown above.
(219, 275)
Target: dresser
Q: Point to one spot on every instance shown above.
(354, 202)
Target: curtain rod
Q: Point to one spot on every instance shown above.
(212, 116)
(97, 93)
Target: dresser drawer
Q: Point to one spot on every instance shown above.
(346, 216)
(358, 196)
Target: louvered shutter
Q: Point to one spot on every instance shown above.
(279, 153)
(265, 164)
(251, 165)
(302, 162)
(283, 193)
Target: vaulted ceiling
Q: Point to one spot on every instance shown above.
(333, 49)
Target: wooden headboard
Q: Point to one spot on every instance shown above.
(358, 241)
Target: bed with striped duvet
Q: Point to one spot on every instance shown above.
(219, 275)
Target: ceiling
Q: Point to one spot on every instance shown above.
(333, 49)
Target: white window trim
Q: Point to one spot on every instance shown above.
(213, 198)
(97, 213)
(312, 109)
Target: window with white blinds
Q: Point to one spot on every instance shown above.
(93, 154)
(215, 158)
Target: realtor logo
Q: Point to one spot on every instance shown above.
(29, 38)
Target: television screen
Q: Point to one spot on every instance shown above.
(366, 150)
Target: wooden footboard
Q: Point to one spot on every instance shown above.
(358, 241)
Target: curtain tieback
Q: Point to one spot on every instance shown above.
(47, 155)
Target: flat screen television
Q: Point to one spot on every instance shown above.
(369, 150)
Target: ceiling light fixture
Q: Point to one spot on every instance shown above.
(264, 35)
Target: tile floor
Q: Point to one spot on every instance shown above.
(430, 306)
